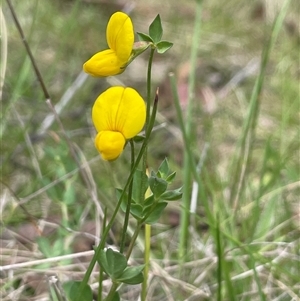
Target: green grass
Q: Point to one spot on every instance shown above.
(247, 139)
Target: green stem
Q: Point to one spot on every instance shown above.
(148, 106)
(147, 229)
(185, 212)
(127, 213)
(149, 75)
(219, 255)
(112, 291)
(133, 239)
(109, 225)
(115, 285)
(101, 271)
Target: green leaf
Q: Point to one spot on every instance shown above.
(172, 195)
(52, 192)
(163, 169)
(69, 193)
(144, 37)
(71, 289)
(136, 210)
(163, 46)
(44, 246)
(149, 201)
(112, 262)
(266, 218)
(155, 29)
(158, 185)
(132, 275)
(139, 178)
(156, 213)
(171, 177)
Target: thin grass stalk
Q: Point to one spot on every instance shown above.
(250, 124)
(219, 255)
(262, 296)
(186, 197)
(3, 58)
(28, 50)
(48, 99)
(193, 165)
(223, 271)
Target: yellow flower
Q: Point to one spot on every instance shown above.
(118, 114)
(120, 39)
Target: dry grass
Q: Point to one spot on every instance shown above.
(52, 206)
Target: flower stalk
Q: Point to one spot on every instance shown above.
(119, 114)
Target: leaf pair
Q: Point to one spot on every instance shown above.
(114, 264)
(149, 210)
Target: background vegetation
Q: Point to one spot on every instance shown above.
(52, 206)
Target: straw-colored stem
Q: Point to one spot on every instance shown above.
(146, 261)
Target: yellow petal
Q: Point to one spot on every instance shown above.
(104, 63)
(120, 36)
(119, 109)
(109, 144)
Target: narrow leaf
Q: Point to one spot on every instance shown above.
(144, 37)
(164, 169)
(172, 195)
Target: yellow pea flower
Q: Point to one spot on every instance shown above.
(120, 40)
(118, 114)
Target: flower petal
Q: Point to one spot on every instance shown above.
(104, 63)
(120, 36)
(119, 109)
(109, 144)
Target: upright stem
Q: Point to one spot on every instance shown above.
(112, 291)
(101, 270)
(146, 252)
(127, 213)
(149, 79)
(148, 105)
(147, 227)
(133, 239)
(147, 261)
(185, 212)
